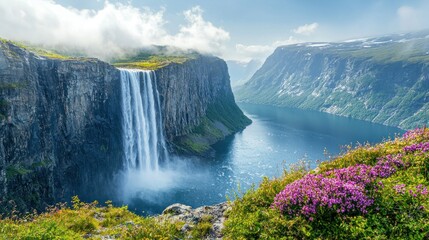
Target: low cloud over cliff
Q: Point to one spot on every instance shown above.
(107, 31)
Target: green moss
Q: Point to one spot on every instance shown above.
(222, 118)
(16, 170)
(11, 85)
(228, 113)
(194, 146)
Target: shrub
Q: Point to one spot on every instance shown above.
(370, 192)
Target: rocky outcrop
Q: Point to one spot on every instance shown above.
(60, 122)
(383, 80)
(212, 217)
(198, 105)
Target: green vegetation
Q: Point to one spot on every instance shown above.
(87, 221)
(151, 61)
(399, 206)
(202, 228)
(222, 118)
(36, 50)
(348, 79)
(194, 143)
(18, 169)
(228, 113)
(199, 140)
(11, 85)
(413, 51)
(400, 209)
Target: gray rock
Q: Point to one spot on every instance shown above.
(214, 213)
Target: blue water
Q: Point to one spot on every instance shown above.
(276, 138)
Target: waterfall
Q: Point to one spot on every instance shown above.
(143, 138)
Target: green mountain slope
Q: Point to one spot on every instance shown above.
(383, 80)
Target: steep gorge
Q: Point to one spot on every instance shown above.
(60, 131)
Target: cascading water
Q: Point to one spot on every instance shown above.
(145, 182)
(143, 138)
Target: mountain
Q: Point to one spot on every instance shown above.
(60, 120)
(241, 72)
(383, 80)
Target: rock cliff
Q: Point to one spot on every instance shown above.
(198, 105)
(383, 80)
(60, 123)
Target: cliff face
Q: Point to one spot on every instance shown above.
(198, 104)
(380, 80)
(60, 122)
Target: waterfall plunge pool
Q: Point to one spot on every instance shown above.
(276, 138)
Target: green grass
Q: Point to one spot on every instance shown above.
(87, 221)
(149, 61)
(191, 144)
(36, 50)
(142, 60)
(202, 228)
(393, 216)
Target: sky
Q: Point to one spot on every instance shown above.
(232, 29)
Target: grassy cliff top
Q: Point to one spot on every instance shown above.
(39, 50)
(409, 50)
(369, 192)
(151, 61)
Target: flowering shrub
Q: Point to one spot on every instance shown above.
(420, 190)
(420, 156)
(386, 166)
(315, 193)
(416, 133)
(421, 147)
(341, 191)
(366, 193)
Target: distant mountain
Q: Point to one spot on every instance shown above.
(241, 72)
(383, 79)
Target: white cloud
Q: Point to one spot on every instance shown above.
(412, 18)
(199, 34)
(253, 50)
(289, 41)
(306, 29)
(246, 53)
(105, 32)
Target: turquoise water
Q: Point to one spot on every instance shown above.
(276, 138)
